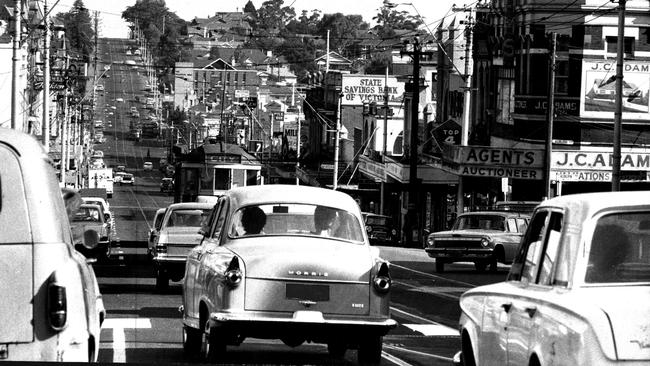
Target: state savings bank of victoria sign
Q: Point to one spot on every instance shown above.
(479, 161)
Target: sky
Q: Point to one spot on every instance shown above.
(112, 25)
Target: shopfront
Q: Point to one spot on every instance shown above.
(590, 170)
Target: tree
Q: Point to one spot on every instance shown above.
(273, 17)
(250, 7)
(305, 24)
(343, 29)
(389, 19)
(78, 30)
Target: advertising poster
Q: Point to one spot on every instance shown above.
(599, 89)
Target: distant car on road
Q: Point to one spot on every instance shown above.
(147, 165)
(127, 178)
(91, 217)
(574, 294)
(380, 229)
(167, 185)
(178, 234)
(484, 238)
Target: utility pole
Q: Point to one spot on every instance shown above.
(96, 41)
(618, 113)
(336, 143)
(15, 100)
(412, 221)
(46, 81)
(550, 112)
(468, 84)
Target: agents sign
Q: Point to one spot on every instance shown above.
(481, 161)
(370, 88)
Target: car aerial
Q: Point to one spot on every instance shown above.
(484, 238)
(127, 178)
(147, 165)
(574, 294)
(380, 228)
(178, 233)
(286, 262)
(153, 231)
(91, 217)
(167, 185)
(53, 309)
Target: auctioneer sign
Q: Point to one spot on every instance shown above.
(599, 89)
(482, 161)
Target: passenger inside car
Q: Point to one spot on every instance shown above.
(609, 248)
(324, 220)
(253, 220)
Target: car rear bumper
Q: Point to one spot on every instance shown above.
(303, 322)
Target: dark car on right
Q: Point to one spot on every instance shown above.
(484, 237)
(381, 229)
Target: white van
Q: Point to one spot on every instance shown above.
(52, 309)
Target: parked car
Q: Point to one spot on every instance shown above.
(178, 233)
(167, 185)
(286, 262)
(153, 231)
(380, 229)
(91, 217)
(147, 165)
(52, 308)
(484, 238)
(576, 292)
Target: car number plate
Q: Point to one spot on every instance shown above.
(298, 291)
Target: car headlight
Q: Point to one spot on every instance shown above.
(430, 241)
(393, 232)
(485, 242)
(369, 229)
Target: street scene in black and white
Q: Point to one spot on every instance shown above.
(352, 183)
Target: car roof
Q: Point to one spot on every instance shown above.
(189, 205)
(285, 193)
(590, 203)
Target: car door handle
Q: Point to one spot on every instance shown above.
(506, 306)
(531, 311)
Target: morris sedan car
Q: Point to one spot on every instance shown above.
(484, 238)
(577, 293)
(52, 309)
(286, 262)
(178, 234)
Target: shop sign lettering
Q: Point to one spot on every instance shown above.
(497, 172)
(581, 160)
(501, 157)
(358, 90)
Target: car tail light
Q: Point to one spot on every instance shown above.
(161, 248)
(57, 305)
(233, 273)
(382, 281)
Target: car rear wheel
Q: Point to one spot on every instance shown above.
(213, 346)
(336, 349)
(162, 280)
(191, 342)
(369, 352)
(440, 265)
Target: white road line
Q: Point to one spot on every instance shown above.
(119, 339)
(460, 283)
(394, 359)
(431, 290)
(433, 329)
(401, 349)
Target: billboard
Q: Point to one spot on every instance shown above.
(371, 88)
(598, 96)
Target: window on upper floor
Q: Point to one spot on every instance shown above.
(628, 45)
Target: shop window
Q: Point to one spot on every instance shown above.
(562, 76)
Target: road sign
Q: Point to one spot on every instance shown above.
(449, 132)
